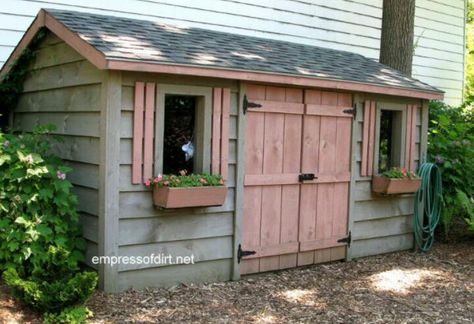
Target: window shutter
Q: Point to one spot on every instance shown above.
(143, 123)
(220, 131)
(368, 139)
(410, 137)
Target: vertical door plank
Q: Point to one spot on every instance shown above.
(327, 146)
(290, 193)
(309, 164)
(252, 195)
(251, 226)
(216, 130)
(225, 132)
(149, 125)
(325, 211)
(271, 195)
(138, 133)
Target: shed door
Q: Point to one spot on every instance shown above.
(295, 132)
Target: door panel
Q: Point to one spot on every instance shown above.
(285, 220)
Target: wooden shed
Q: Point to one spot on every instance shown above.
(297, 131)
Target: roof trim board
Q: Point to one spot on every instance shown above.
(98, 59)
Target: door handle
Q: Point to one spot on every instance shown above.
(306, 177)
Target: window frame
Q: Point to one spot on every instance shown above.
(401, 108)
(203, 126)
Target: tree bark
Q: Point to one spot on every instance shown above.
(396, 43)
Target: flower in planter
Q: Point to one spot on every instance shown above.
(184, 180)
(399, 173)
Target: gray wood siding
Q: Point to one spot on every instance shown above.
(380, 224)
(64, 90)
(352, 25)
(205, 233)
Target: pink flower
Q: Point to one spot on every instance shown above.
(158, 178)
(183, 172)
(147, 183)
(6, 143)
(60, 175)
(203, 181)
(29, 159)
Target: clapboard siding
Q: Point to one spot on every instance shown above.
(341, 24)
(205, 233)
(207, 271)
(64, 90)
(381, 224)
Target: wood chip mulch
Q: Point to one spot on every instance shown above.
(404, 287)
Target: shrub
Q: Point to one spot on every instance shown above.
(40, 241)
(451, 146)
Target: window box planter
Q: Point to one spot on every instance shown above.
(172, 197)
(392, 186)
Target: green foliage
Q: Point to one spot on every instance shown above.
(68, 315)
(40, 239)
(451, 146)
(186, 180)
(52, 295)
(37, 208)
(469, 62)
(399, 173)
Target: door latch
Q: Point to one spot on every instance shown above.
(241, 253)
(306, 177)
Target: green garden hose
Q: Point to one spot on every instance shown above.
(427, 205)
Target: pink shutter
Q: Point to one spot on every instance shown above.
(143, 124)
(137, 158)
(148, 136)
(410, 137)
(368, 139)
(220, 132)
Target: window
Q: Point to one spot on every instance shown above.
(183, 129)
(389, 137)
(179, 132)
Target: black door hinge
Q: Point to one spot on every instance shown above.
(247, 104)
(352, 111)
(347, 240)
(241, 253)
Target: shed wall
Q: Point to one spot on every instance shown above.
(381, 224)
(64, 90)
(341, 24)
(204, 232)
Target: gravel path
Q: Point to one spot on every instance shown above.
(404, 287)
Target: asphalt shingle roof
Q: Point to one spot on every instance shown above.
(145, 41)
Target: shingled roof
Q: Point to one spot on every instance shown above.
(139, 41)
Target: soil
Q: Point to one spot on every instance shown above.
(402, 287)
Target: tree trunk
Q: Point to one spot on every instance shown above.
(396, 43)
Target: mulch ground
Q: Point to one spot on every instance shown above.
(404, 287)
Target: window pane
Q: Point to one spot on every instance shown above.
(386, 140)
(180, 120)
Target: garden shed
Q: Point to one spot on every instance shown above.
(296, 131)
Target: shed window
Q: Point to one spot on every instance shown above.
(179, 134)
(390, 139)
(182, 129)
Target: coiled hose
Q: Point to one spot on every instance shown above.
(427, 205)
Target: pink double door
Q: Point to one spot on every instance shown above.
(289, 218)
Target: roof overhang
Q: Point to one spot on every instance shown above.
(98, 59)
